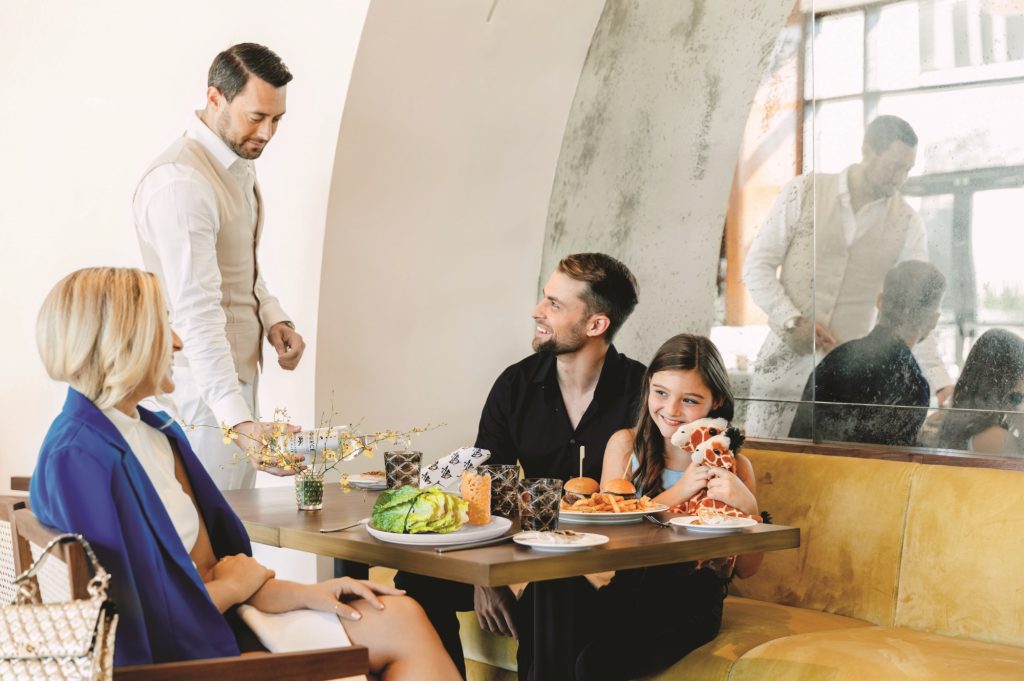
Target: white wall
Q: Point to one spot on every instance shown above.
(444, 169)
(89, 93)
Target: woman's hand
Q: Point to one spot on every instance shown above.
(241, 575)
(726, 486)
(327, 596)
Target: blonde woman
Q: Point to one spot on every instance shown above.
(126, 479)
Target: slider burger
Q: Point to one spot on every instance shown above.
(579, 488)
(620, 486)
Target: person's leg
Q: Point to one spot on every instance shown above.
(551, 617)
(670, 612)
(402, 644)
(350, 568)
(441, 599)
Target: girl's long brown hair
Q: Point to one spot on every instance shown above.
(994, 368)
(687, 352)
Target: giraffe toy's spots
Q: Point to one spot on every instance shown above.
(691, 435)
(713, 443)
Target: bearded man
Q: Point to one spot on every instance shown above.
(574, 391)
(198, 216)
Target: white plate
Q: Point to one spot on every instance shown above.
(367, 481)
(607, 518)
(469, 533)
(732, 525)
(541, 541)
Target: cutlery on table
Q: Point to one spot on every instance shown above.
(345, 527)
(656, 521)
(475, 545)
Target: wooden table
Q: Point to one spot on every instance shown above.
(271, 517)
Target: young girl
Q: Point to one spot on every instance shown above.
(681, 605)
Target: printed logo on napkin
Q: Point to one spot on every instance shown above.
(448, 469)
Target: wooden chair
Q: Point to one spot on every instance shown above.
(9, 565)
(312, 665)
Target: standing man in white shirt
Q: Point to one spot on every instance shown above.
(832, 238)
(198, 216)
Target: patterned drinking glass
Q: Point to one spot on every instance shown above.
(538, 503)
(504, 489)
(402, 468)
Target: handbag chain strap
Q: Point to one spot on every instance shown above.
(97, 586)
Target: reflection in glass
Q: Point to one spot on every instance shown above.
(987, 400)
(835, 64)
(816, 268)
(833, 152)
(955, 70)
(998, 245)
(976, 128)
(915, 44)
(858, 377)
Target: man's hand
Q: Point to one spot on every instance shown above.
(493, 608)
(288, 343)
(252, 434)
(943, 394)
(804, 337)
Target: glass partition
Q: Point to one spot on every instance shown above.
(873, 248)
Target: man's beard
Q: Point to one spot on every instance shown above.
(223, 131)
(576, 337)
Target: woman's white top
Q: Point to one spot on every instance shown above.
(153, 450)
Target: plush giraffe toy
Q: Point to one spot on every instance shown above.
(710, 442)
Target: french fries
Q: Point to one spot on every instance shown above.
(608, 503)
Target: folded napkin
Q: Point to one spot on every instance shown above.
(447, 470)
(289, 632)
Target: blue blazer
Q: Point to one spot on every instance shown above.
(87, 480)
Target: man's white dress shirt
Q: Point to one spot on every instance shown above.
(178, 220)
(176, 195)
(786, 373)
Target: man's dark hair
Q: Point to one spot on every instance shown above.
(911, 295)
(231, 69)
(885, 130)
(611, 287)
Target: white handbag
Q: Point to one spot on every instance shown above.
(68, 640)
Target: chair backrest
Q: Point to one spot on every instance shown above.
(9, 564)
(65, 574)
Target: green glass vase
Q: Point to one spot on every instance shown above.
(309, 491)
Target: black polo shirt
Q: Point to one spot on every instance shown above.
(525, 419)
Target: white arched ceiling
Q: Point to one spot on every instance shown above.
(650, 147)
(445, 162)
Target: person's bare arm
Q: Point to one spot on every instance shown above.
(279, 595)
(616, 456)
(693, 480)
(233, 579)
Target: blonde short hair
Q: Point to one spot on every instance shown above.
(104, 331)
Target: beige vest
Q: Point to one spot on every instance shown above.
(830, 282)
(237, 241)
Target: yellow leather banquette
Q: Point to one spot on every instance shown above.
(905, 571)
